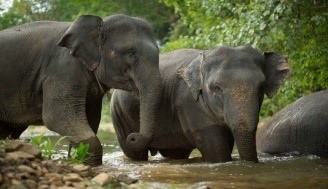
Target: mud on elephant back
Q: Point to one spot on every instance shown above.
(56, 74)
(210, 99)
(300, 127)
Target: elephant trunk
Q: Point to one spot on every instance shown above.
(242, 116)
(244, 136)
(150, 95)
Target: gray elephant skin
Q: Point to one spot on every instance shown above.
(300, 127)
(56, 74)
(210, 99)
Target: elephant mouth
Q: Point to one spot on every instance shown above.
(123, 83)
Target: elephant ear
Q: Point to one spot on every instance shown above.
(191, 75)
(276, 71)
(84, 39)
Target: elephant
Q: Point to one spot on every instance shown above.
(57, 73)
(301, 126)
(209, 100)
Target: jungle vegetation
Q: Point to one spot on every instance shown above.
(295, 28)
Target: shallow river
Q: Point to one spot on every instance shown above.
(289, 171)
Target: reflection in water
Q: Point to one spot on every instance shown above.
(289, 171)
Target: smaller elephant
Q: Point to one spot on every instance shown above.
(300, 127)
(209, 100)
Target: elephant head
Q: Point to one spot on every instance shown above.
(229, 84)
(122, 53)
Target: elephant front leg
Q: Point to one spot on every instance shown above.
(65, 114)
(215, 143)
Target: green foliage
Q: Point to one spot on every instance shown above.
(296, 28)
(79, 153)
(46, 146)
(24, 11)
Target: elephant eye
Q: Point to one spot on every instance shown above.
(130, 56)
(216, 90)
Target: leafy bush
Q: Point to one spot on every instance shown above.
(297, 29)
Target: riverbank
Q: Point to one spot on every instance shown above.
(22, 167)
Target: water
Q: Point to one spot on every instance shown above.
(288, 171)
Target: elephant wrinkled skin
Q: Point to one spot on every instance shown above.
(56, 73)
(209, 100)
(300, 127)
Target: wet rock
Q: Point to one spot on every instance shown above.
(102, 179)
(126, 179)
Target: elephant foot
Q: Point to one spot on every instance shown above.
(141, 155)
(177, 153)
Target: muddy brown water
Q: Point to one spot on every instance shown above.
(282, 172)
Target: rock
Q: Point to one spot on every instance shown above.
(10, 175)
(66, 187)
(30, 149)
(24, 168)
(16, 182)
(43, 181)
(30, 183)
(22, 176)
(2, 153)
(12, 145)
(73, 177)
(17, 187)
(102, 179)
(94, 187)
(43, 186)
(84, 173)
(126, 179)
(81, 168)
(54, 176)
(79, 185)
(0, 179)
(19, 155)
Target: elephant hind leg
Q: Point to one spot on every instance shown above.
(175, 153)
(9, 131)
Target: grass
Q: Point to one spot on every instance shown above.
(77, 155)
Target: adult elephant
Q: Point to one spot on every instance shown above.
(301, 126)
(209, 99)
(56, 73)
